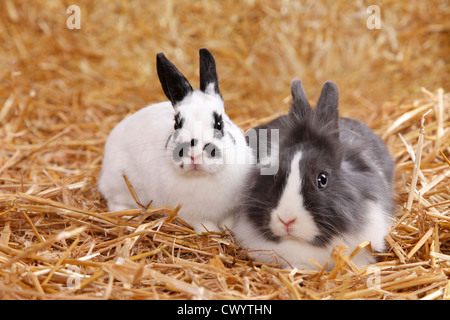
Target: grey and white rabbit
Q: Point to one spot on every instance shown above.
(333, 186)
(184, 151)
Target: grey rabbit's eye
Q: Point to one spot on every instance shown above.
(322, 181)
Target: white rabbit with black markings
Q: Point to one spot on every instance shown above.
(333, 187)
(184, 152)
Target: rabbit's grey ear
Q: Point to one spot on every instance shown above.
(301, 107)
(298, 92)
(209, 82)
(175, 85)
(326, 111)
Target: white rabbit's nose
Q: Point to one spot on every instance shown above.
(196, 159)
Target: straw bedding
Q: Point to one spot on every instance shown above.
(63, 90)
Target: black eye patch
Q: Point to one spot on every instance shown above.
(179, 121)
(218, 124)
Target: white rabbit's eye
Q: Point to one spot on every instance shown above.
(322, 181)
(178, 122)
(218, 126)
(218, 122)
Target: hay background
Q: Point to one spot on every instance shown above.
(62, 91)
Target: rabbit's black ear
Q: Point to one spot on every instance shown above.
(208, 73)
(326, 111)
(300, 107)
(175, 85)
